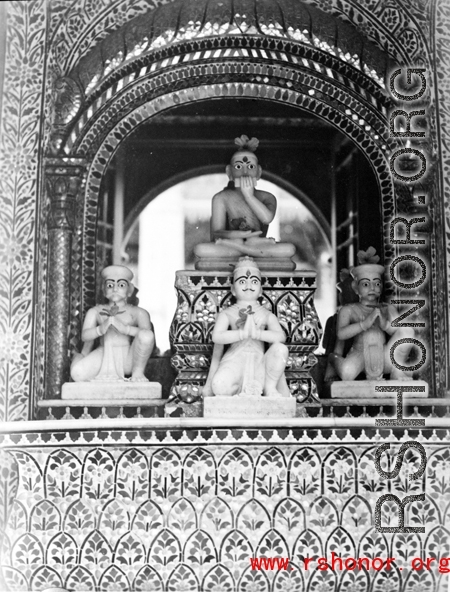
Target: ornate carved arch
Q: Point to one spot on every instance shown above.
(401, 30)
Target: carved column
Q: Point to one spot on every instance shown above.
(63, 182)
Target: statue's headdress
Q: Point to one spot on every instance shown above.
(244, 143)
(367, 263)
(117, 272)
(246, 266)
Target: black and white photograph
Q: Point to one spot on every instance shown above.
(224, 296)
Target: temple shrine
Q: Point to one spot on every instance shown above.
(224, 287)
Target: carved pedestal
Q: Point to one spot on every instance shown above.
(366, 389)
(202, 295)
(113, 392)
(249, 406)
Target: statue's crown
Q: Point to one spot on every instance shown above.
(246, 266)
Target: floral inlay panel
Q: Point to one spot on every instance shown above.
(186, 511)
(20, 145)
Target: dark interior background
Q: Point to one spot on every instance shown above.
(295, 145)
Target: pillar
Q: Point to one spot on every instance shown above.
(63, 181)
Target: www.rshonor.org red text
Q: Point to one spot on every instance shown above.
(349, 563)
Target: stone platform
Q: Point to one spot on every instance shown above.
(365, 389)
(238, 407)
(110, 392)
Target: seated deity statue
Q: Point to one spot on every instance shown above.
(124, 332)
(247, 368)
(369, 323)
(240, 218)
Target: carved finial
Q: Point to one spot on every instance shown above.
(86, 414)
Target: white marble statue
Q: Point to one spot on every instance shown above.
(368, 322)
(124, 332)
(247, 327)
(240, 218)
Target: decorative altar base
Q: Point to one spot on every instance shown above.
(366, 389)
(109, 392)
(202, 295)
(98, 399)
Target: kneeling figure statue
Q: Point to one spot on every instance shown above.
(246, 326)
(369, 323)
(124, 331)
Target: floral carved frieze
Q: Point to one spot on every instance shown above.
(162, 513)
(360, 34)
(23, 57)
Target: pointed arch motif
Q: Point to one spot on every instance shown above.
(62, 551)
(217, 517)
(253, 519)
(80, 577)
(45, 517)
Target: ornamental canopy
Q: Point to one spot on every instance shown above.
(183, 21)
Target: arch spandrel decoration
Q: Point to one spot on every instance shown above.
(285, 70)
(159, 31)
(155, 35)
(401, 30)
